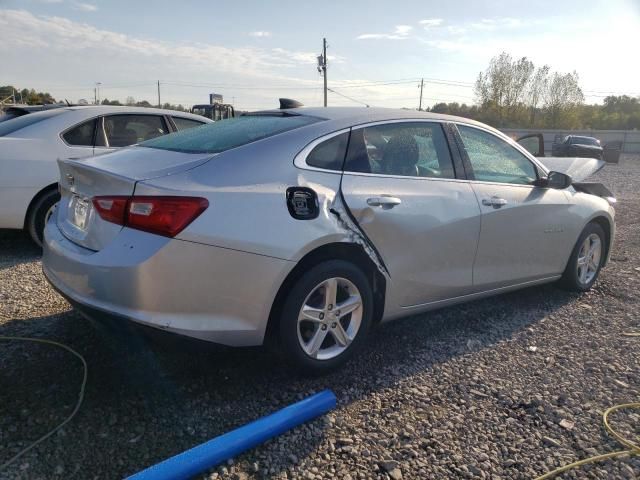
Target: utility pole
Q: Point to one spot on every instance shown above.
(159, 104)
(322, 67)
(95, 95)
(421, 86)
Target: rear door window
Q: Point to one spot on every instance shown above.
(125, 130)
(186, 123)
(410, 149)
(221, 136)
(81, 135)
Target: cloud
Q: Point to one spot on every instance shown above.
(401, 32)
(497, 23)
(85, 7)
(456, 30)
(403, 29)
(65, 37)
(75, 55)
(431, 22)
(260, 34)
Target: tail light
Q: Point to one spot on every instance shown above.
(165, 216)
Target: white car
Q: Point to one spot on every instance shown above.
(30, 146)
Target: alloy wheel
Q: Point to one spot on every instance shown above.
(329, 318)
(589, 258)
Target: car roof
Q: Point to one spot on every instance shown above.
(24, 109)
(583, 136)
(105, 109)
(358, 115)
(87, 111)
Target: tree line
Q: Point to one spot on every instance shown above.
(510, 93)
(31, 97)
(514, 93)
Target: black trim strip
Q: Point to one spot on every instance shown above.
(466, 163)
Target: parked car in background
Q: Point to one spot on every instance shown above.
(31, 144)
(311, 225)
(15, 111)
(578, 146)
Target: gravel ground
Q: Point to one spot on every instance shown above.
(458, 393)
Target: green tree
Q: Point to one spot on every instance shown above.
(504, 85)
(561, 100)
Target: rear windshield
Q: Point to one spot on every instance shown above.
(23, 121)
(8, 116)
(227, 134)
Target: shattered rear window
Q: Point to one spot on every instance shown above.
(224, 135)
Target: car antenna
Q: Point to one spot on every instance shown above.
(286, 103)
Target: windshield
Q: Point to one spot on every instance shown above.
(18, 123)
(585, 141)
(199, 111)
(221, 136)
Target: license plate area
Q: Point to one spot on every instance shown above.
(79, 209)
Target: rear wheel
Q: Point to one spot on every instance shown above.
(39, 214)
(326, 317)
(586, 259)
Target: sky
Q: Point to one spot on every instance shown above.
(254, 52)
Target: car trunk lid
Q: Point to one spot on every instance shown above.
(109, 175)
(77, 219)
(143, 163)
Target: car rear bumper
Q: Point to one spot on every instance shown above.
(201, 291)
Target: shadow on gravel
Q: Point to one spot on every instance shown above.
(151, 395)
(16, 247)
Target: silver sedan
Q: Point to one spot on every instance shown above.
(309, 226)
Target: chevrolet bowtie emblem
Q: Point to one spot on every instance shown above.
(70, 179)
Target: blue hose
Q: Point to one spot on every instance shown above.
(231, 444)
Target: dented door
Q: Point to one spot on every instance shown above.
(425, 229)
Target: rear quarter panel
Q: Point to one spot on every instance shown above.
(246, 188)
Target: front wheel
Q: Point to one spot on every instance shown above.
(586, 259)
(326, 316)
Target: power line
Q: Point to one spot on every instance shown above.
(348, 98)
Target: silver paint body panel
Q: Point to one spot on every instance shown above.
(218, 279)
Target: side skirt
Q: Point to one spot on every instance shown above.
(424, 307)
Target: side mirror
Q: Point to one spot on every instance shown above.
(555, 180)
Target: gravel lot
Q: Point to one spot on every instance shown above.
(457, 393)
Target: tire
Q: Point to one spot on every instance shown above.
(574, 277)
(39, 214)
(343, 333)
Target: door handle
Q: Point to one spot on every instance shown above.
(383, 201)
(495, 202)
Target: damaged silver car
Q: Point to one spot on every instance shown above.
(312, 225)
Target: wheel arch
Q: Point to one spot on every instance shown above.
(349, 252)
(34, 200)
(606, 225)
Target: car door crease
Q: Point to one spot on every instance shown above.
(346, 219)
